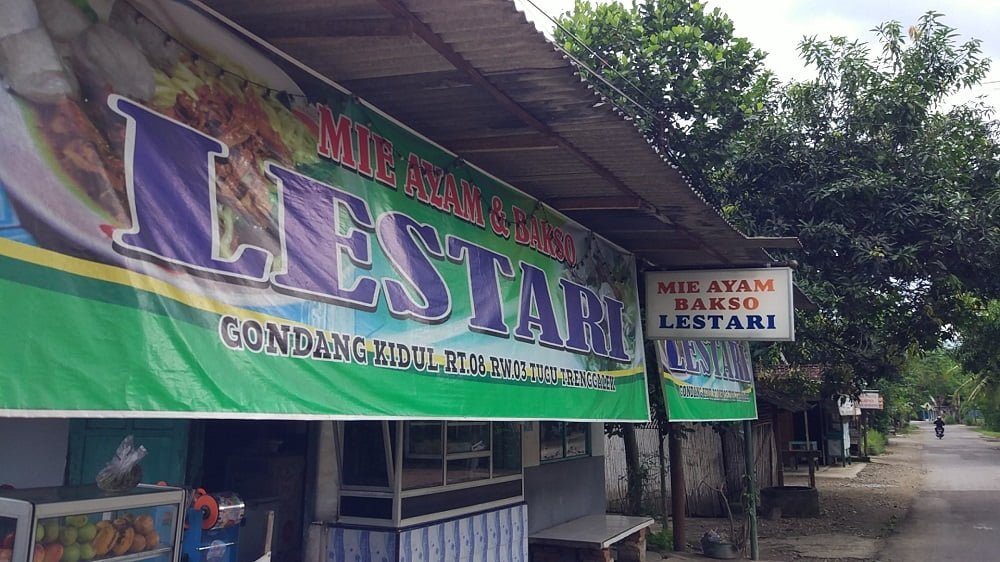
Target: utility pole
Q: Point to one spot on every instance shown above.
(678, 493)
(809, 451)
(751, 485)
(864, 433)
(663, 475)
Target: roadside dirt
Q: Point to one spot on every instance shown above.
(856, 513)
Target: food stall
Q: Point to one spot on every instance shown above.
(223, 234)
(202, 236)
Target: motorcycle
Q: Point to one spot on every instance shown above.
(939, 431)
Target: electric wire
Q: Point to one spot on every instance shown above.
(603, 62)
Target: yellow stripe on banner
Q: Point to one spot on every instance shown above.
(126, 277)
(670, 376)
(626, 372)
(677, 382)
(129, 278)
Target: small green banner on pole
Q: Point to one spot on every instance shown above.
(706, 380)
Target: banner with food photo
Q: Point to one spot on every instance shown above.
(707, 380)
(193, 224)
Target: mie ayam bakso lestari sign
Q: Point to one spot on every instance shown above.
(241, 238)
(731, 304)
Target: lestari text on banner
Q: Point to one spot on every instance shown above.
(706, 380)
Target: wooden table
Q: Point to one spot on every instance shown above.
(811, 457)
(590, 538)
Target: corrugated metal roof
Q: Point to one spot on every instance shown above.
(476, 77)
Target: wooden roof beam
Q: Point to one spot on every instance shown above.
(422, 30)
(667, 246)
(502, 144)
(741, 243)
(619, 203)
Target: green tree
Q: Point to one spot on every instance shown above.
(893, 195)
(979, 355)
(932, 378)
(680, 70)
(690, 84)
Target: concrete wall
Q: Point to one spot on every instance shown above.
(33, 452)
(559, 491)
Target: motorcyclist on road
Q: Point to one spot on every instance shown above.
(939, 426)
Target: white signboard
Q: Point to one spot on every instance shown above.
(846, 432)
(720, 304)
(848, 407)
(871, 400)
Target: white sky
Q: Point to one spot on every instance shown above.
(777, 26)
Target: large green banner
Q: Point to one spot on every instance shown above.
(192, 224)
(706, 380)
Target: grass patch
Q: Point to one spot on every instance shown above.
(906, 429)
(876, 442)
(660, 541)
(986, 432)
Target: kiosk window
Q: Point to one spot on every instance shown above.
(423, 455)
(443, 453)
(564, 440)
(364, 455)
(506, 449)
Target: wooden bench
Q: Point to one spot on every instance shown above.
(591, 539)
(803, 448)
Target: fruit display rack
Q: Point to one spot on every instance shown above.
(85, 523)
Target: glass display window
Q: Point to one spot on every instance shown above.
(82, 523)
(108, 534)
(8, 532)
(434, 469)
(454, 452)
(423, 455)
(563, 440)
(366, 466)
(506, 449)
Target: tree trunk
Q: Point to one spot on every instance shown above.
(678, 491)
(634, 469)
(664, 504)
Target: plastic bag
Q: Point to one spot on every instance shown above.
(123, 471)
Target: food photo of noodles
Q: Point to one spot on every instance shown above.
(61, 155)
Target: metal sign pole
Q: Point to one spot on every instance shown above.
(751, 487)
(678, 492)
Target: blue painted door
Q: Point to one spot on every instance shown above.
(93, 442)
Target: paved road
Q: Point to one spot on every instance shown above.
(957, 514)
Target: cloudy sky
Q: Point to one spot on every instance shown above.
(777, 26)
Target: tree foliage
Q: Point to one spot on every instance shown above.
(980, 356)
(979, 351)
(688, 80)
(893, 194)
(931, 378)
